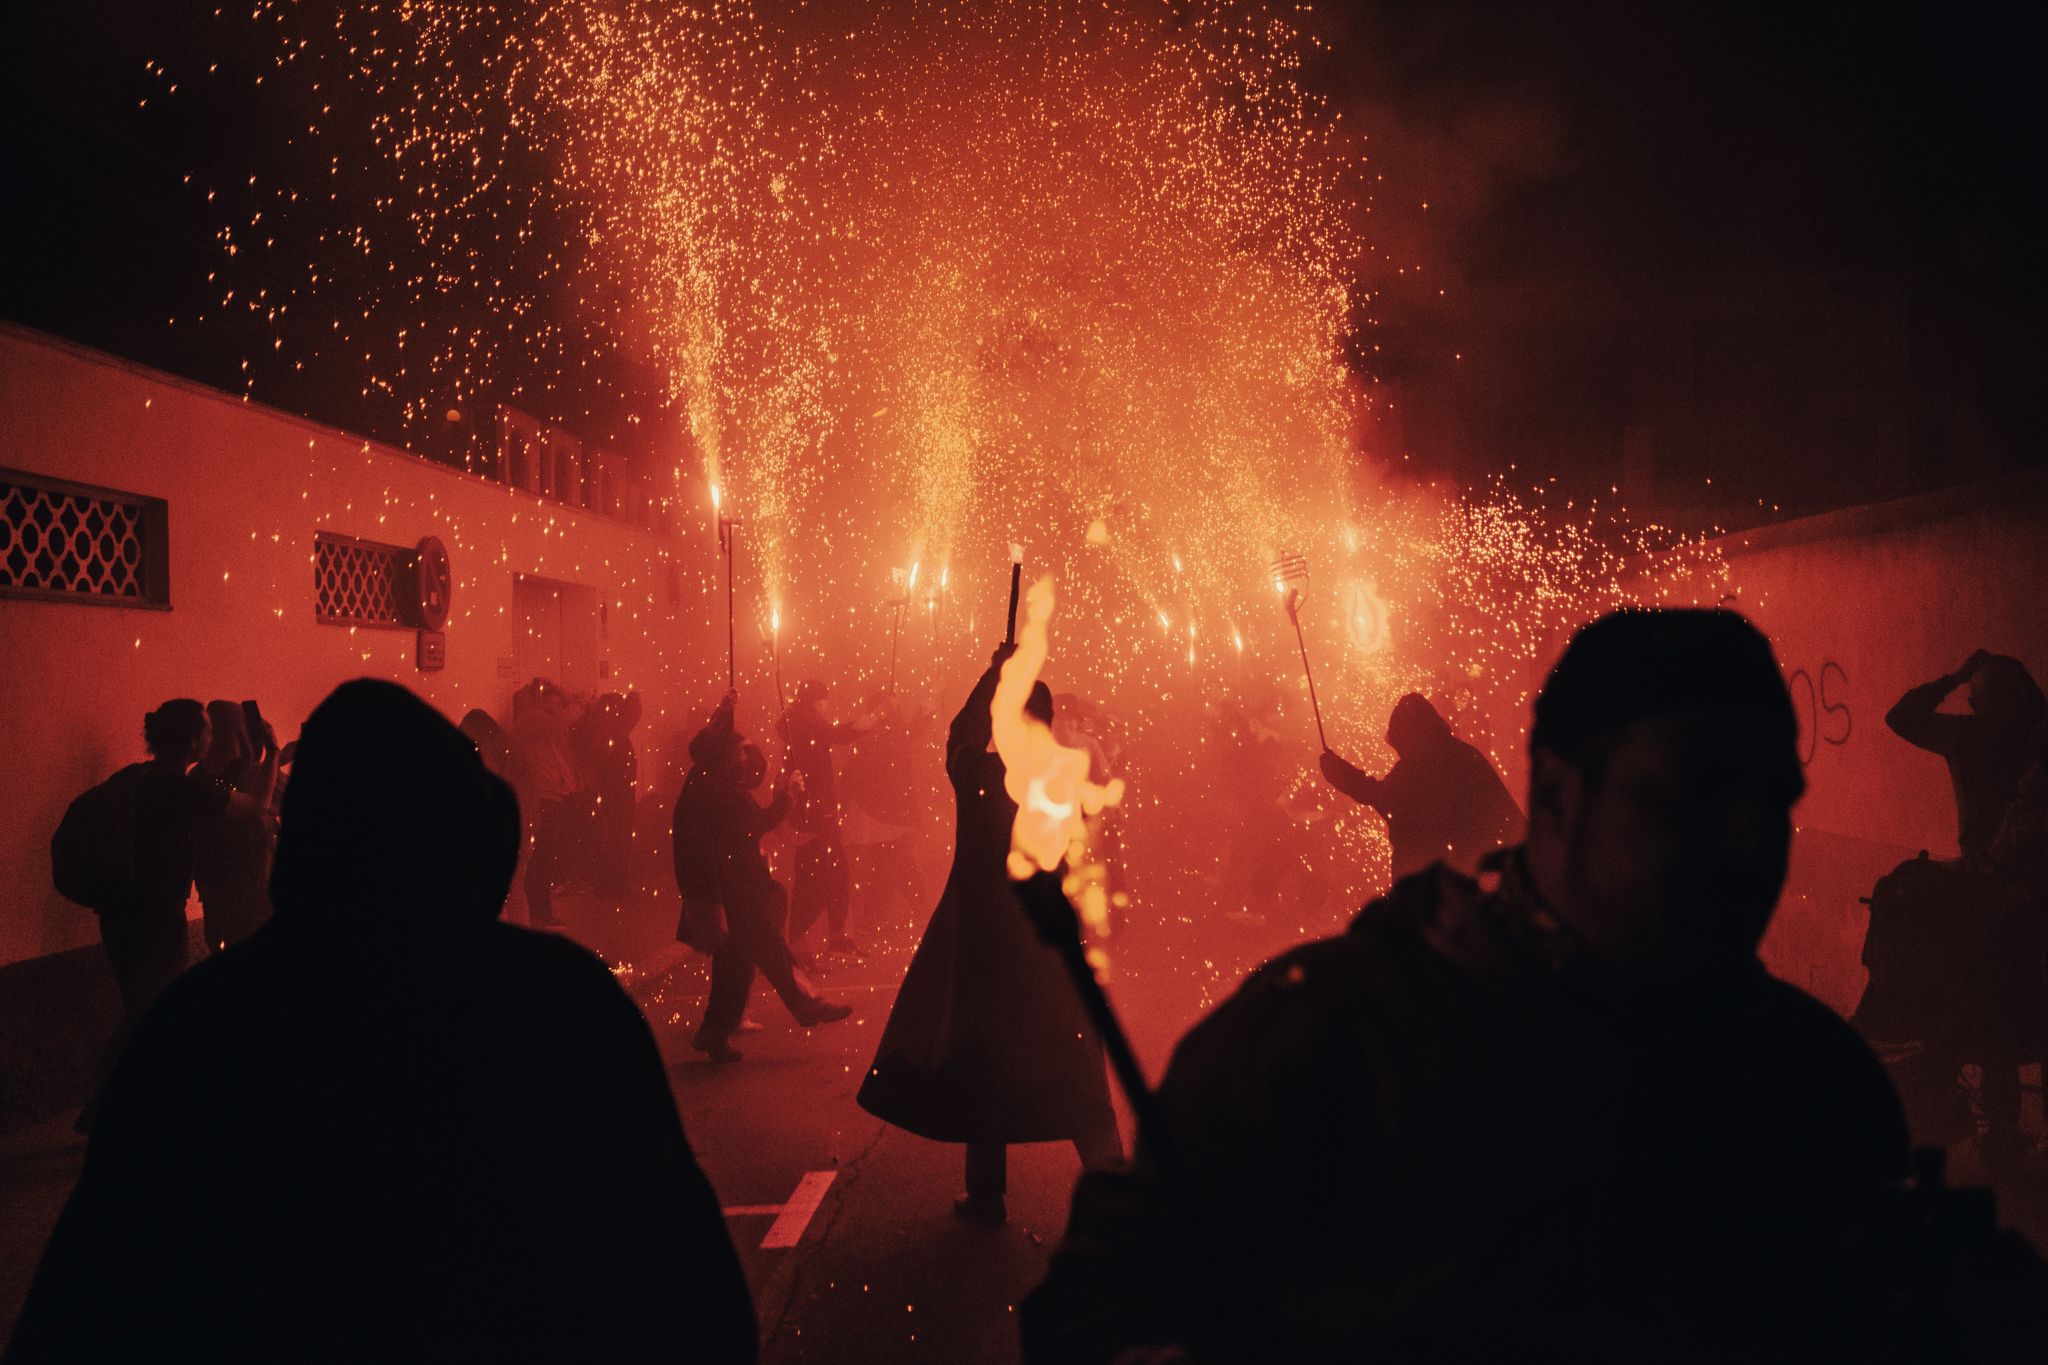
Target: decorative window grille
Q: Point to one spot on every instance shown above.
(67, 542)
(364, 583)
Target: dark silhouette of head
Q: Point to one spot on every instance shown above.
(753, 767)
(177, 732)
(620, 713)
(1038, 705)
(391, 813)
(1663, 770)
(229, 747)
(717, 751)
(2003, 692)
(481, 726)
(812, 690)
(1415, 725)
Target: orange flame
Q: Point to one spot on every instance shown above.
(1048, 781)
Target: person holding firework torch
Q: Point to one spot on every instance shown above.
(1443, 800)
(988, 1043)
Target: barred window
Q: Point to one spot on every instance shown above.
(68, 542)
(363, 582)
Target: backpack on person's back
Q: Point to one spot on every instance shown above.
(92, 854)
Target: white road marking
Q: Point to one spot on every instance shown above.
(792, 1218)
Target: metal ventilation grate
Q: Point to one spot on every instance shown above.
(70, 542)
(362, 582)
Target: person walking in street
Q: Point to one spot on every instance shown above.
(717, 840)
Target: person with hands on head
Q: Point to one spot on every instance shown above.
(1986, 749)
(1966, 952)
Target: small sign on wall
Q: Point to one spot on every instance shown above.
(433, 651)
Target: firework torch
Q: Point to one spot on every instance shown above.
(1016, 576)
(775, 660)
(1057, 923)
(1054, 793)
(898, 605)
(1290, 575)
(728, 532)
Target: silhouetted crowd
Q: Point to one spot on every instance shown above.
(572, 760)
(1538, 1101)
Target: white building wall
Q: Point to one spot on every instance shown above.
(248, 488)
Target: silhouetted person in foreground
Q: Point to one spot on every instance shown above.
(987, 1043)
(1560, 1113)
(1986, 750)
(1442, 800)
(388, 1126)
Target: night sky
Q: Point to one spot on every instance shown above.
(1790, 249)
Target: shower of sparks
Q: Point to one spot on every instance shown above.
(911, 282)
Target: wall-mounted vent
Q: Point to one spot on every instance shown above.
(68, 542)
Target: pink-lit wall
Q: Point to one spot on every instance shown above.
(248, 488)
(1861, 605)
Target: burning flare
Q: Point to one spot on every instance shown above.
(1048, 781)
